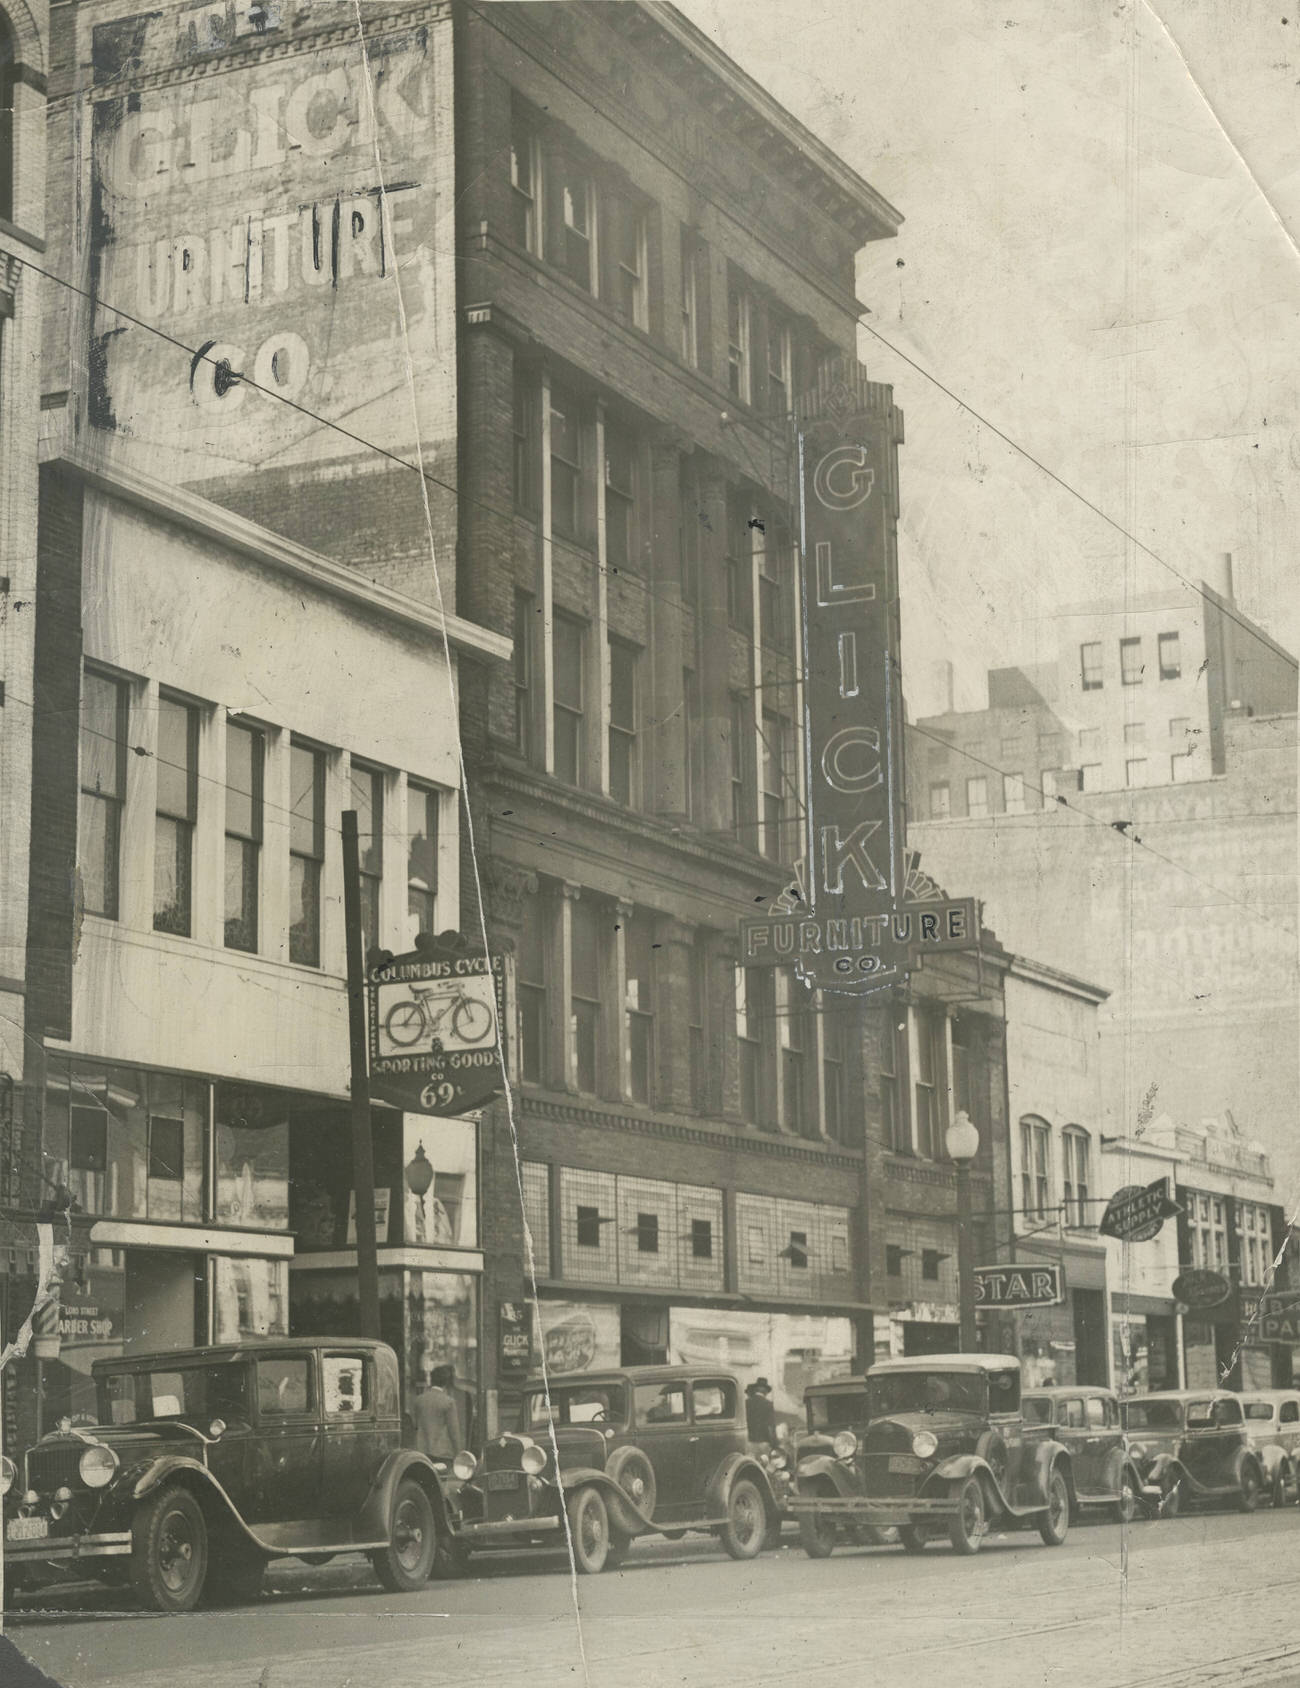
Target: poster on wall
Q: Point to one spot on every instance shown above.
(251, 231)
(572, 1336)
(790, 1350)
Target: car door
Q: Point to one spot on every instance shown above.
(1288, 1426)
(1215, 1430)
(285, 1449)
(1071, 1433)
(715, 1429)
(228, 1398)
(663, 1433)
(353, 1446)
(1101, 1416)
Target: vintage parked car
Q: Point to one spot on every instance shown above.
(1191, 1445)
(832, 1406)
(944, 1449)
(207, 1463)
(642, 1450)
(1273, 1431)
(1085, 1420)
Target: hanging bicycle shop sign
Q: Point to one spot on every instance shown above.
(860, 917)
(436, 1028)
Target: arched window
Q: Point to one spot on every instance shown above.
(8, 66)
(1035, 1168)
(1078, 1175)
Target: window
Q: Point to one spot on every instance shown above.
(638, 954)
(742, 769)
(1135, 733)
(527, 453)
(620, 498)
(521, 660)
(584, 1004)
(588, 1227)
(832, 1024)
(738, 324)
(1171, 657)
(127, 1143)
(977, 797)
(1090, 666)
(1130, 661)
(245, 762)
(701, 1239)
(346, 1383)
(306, 851)
(774, 595)
(647, 1233)
(622, 721)
(1048, 786)
(1180, 728)
(740, 566)
(1035, 1167)
(793, 1037)
(1254, 1242)
(421, 858)
(930, 1258)
(566, 465)
(283, 1387)
(690, 341)
(1182, 768)
(525, 183)
(103, 790)
(173, 862)
(714, 1399)
(1090, 743)
(1077, 1175)
(1135, 771)
(892, 1112)
(367, 798)
(627, 249)
(1090, 776)
(796, 1250)
(252, 1157)
(568, 640)
(893, 1260)
(778, 369)
(750, 986)
(940, 801)
(578, 210)
(1208, 1230)
(929, 1066)
(660, 1403)
(960, 1039)
(776, 785)
(697, 990)
(1013, 793)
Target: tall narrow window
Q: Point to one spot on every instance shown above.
(749, 1039)
(527, 450)
(1171, 658)
(940, 801)
(531, 971)
(742, 769)
(1077, 1175)
(627, 254)
(738, 325)
(578, 210)
(245, 762)
(690, 341)
(568, 638)
(697, 993)
(832, 1027)
(525, 183)
(776, 785)
(1013, 793)
(620, 498)
(1090, 666)
(368, 800)
(1130, 661)
(926, 1085)
(691, 741)
(522, 670)
(793, 1035)
(893, 1114)
(1035, 1167)
(778, 369)
(622, 721)
(103, 790)
(638, 949)
(306, 851)
(588, 919)
(173, 861)
(422, 857)
(566, 465)
(774, 596)
(740, 566)
(977, 797)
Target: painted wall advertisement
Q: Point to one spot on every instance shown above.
(251, 232)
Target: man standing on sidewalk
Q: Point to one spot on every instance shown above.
(437, 1418)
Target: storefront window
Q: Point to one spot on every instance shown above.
(440, 1186)
(250, 1298)
(127, 1144)
(252, 1144)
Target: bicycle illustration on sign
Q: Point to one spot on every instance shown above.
(437, 1016)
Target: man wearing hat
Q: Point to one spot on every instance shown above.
(760, 1416)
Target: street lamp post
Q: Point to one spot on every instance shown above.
(962, 1141)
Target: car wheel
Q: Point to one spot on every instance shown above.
(1054, 1524)
(634, 1474)
(913, 1538)
(817, 1535)
(1251, 1489)
(169, 1550)
(589, 1530)
(1125, 1509)
(966, 1531)
(745, 1531)
(406, 1564)
(234, 1577)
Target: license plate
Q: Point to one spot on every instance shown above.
(905, 1462)
(27, 1529)
(502, 1479)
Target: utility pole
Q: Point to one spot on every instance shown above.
(363, 1163)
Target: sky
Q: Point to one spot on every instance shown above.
(1100, 259)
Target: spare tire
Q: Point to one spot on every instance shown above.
(634, 1474)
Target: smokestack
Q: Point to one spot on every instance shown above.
(1222, 581)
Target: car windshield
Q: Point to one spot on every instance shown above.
(604, 1403)
(837, 1412)
(1207, 1414)
(918, 1391)
(1038, 1409)
(1153, 1415)
(1259, 1409)
(195, 1394)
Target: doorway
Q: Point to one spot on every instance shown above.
(1090, 1358)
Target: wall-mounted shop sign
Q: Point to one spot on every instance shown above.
(1279, 1316)
(1136, 1213)
(1019, 1286)
(1199, 1288)
(437, 1019)
(515, 1347)
(852, 924)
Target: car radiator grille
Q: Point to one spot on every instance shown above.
(882, 1482)
(509, 1502)
(50, 1468)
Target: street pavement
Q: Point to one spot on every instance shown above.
(1196, 1602)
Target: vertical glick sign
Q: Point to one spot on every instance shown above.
(858, 921)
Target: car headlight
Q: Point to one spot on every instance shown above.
(845, 1445)
(8, 1471)
(533, 1459)
(464, 1466)
(924, 1443)
(97, 1466)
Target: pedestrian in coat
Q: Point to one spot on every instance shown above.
(760, 1415)
(437, 1417)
